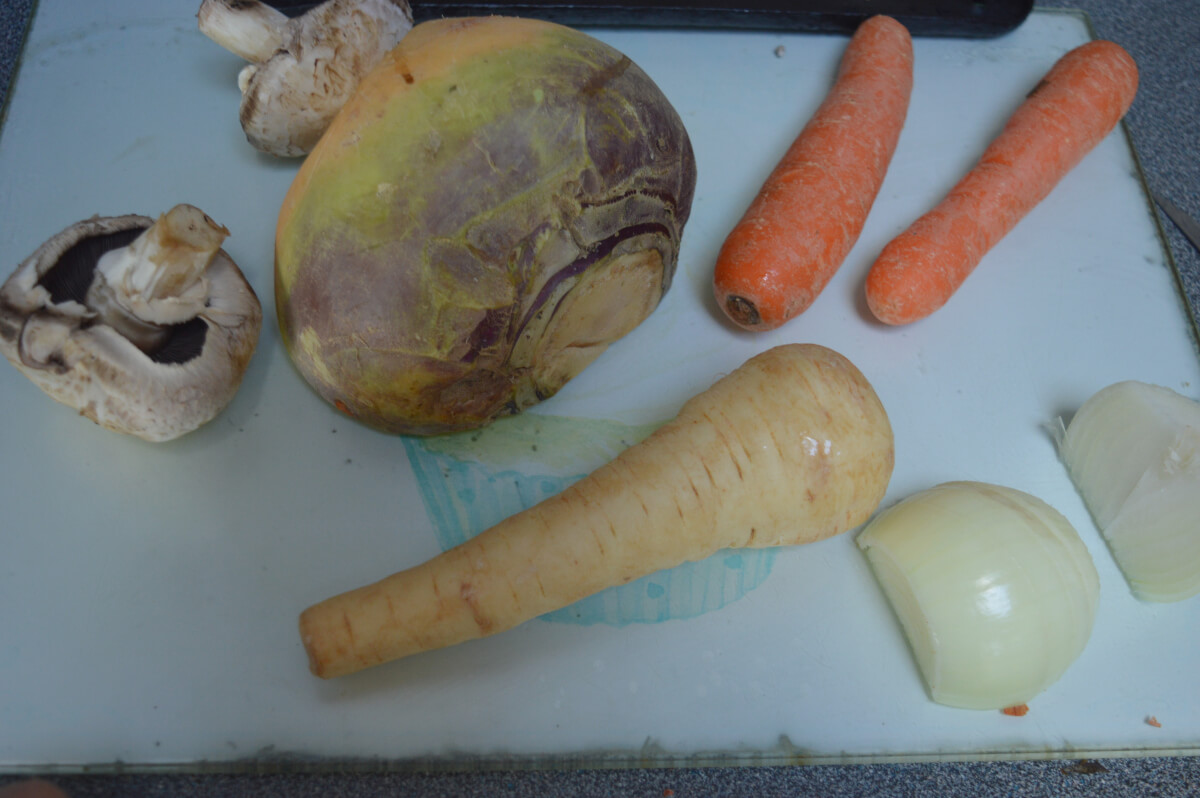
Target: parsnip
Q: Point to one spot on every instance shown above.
(792, 447)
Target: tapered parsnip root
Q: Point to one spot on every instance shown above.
(792, 447)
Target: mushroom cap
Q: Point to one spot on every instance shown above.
(289, 100)
(58, 342)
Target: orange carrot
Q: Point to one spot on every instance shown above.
(1079, 101)
(812, 207)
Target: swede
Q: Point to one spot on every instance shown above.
(500, 200)
(792, 447)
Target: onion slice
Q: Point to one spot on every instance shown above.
(1133, 452)
(994, 589)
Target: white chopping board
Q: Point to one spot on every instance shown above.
(149, 593)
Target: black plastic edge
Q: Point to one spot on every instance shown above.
(947, 18)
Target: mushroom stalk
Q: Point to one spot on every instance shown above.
(158, 279)
(246, 28)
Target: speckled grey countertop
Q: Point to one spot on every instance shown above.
(1164, 38)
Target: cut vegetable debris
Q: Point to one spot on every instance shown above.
(1133, 452)
(994, 589)
(792, 447)
(812, 207)
(1079, 101)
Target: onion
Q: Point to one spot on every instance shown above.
(993, 587)
(1133, 452)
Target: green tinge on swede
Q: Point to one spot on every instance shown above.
(994, 589)
(1133, 452)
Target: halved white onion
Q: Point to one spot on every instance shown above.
(994, 589)
(1133, 452)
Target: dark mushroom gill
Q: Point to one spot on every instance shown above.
(68, 281)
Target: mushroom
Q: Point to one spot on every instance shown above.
(145, 327)
(303, 69)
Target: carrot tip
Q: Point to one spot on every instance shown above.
(742, 311)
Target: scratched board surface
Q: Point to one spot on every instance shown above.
(149, 593)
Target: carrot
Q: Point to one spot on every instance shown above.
(810, 211)
(792, 447)
(1079, 101)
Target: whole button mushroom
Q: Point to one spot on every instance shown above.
(146, 327)
(303, 69)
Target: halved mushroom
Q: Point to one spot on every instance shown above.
(301, 70)
(146, 327)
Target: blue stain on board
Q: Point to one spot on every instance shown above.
(471, 481)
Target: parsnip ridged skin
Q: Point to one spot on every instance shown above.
(791, 448)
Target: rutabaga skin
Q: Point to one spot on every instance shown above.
(499, 201)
